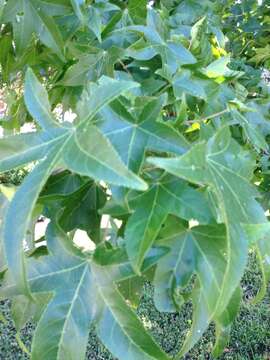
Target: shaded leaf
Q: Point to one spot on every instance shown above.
(132, 137)
(167, 196)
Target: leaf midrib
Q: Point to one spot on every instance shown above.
(118, 322)
(36, 147)
(76, 295)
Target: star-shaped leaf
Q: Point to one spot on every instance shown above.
(82, 149)
(31, 16)
(226, 168)
(82, 292)
(132, 136)
(172, 52)
(74, 201)
(150, 209)
(200, 250)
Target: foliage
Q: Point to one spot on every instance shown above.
(249, 335)
(247, 24)
(169, 143)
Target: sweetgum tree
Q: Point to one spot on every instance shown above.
(167, 139)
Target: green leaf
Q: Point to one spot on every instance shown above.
(132, 137)
(174, 270)
(97, 96)
(46, 29)
(76, 4)
(77, 74)
(218, 67)
(143, 227)
(19, 215)
(117, 262)
(263, 251)
(199, 250)
(23, 28)
(6, 56)
(33, 19)
(210, 246)
(137, 10)
(92, 66)
(259, 239)
(125, 327)
(70, 310)
(85, 292)
(89, 153)
(132, 290)
(10, 10)
(167, 196)
(84, 150)
(61, 185)
(184, 83)
(252, 131)
(18, 150)
(2, 4)
(80, 210)
(127, 80)
(177, 55)
(226, 169)
(24, 310)
(224, 321)
(141, 50)
(37, 101)
(173, 53)
(95, 22)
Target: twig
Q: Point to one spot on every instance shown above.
(124, 66)
(162, 90)
(207, 117)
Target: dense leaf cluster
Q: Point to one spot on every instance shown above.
(247, 24)
(150, 133)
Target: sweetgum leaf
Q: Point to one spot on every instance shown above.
(138, 10)
(132, 136)
(127, 80)
(222, 165)
(123, 324)
(82, 292)
(79, 154)
(224, 321)
(150, 210)
(37, 102)
(33, 19)
(18, 218)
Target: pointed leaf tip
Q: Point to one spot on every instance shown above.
(37, 101)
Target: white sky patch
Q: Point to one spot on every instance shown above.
(40, 228)
(192, 223)
(28, 127)
(69, 116)
(82, 241)
(105, 222)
